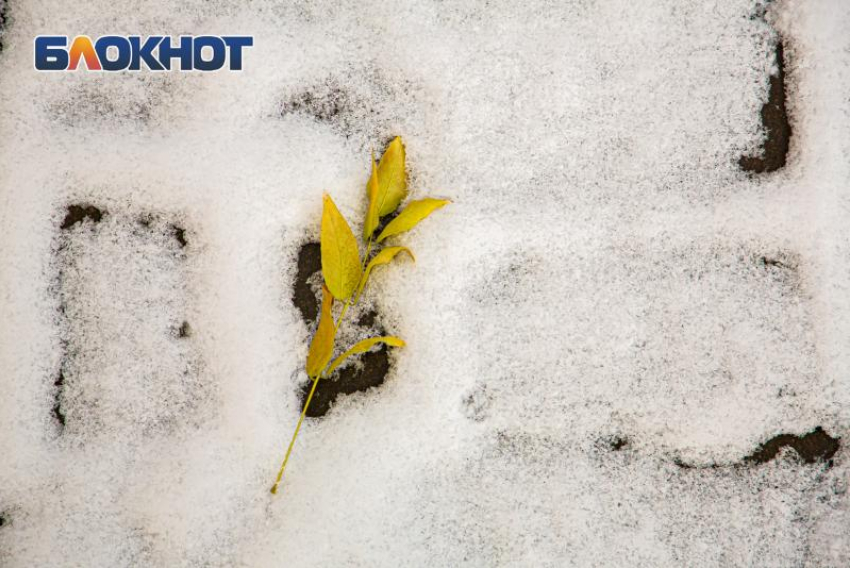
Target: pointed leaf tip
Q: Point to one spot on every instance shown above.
(372, 191)
(392, 178)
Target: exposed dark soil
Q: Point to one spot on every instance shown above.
(814, 447)
(4, 19)
(774, 118)
(384, 221)
(774, 263)
(368, 319)
(180, 235)
(371, 372)
(79, 213)
(309, 263)
(58, 414)
(372, 368)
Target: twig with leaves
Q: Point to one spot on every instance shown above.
(345, 276)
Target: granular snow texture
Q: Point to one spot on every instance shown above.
(628, 336)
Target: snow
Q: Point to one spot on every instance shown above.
(605, 272)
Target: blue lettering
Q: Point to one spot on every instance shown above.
(118, 53)
(167, 52)
(236, 43)
(219, 53)
(50, 53)
(121, 44)
(144, 52)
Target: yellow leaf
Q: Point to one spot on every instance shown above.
(411, 216)
(392, 178)
(365, 345)
(384, 257)
(372, 190)
(322, 346)
(340, 257)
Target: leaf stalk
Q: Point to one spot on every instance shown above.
(295, 435)
(306, 406)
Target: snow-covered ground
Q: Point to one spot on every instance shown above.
(605, 329)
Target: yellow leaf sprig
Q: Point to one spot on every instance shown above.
(345, 274)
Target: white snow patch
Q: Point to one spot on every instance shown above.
(605, 271)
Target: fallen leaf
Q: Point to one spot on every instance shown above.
(411, 215)
(392, 178)
(366, 345)
(372, 190)
(322, 346)
(340, 257)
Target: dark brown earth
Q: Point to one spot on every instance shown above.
(767, 261)
(371, 372)
(4, 20)
(309, 263)
(180, 235)
(774, 118)
(814, 447)
(373, 366)
(58, 414)
(79, 213)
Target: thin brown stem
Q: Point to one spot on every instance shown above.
(295, 435)
(306, 406)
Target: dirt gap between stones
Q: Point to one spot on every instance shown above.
(813, 447)
(77, 213)
(373, 366)
(774, 118)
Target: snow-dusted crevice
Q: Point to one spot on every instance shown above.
(773, 152)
